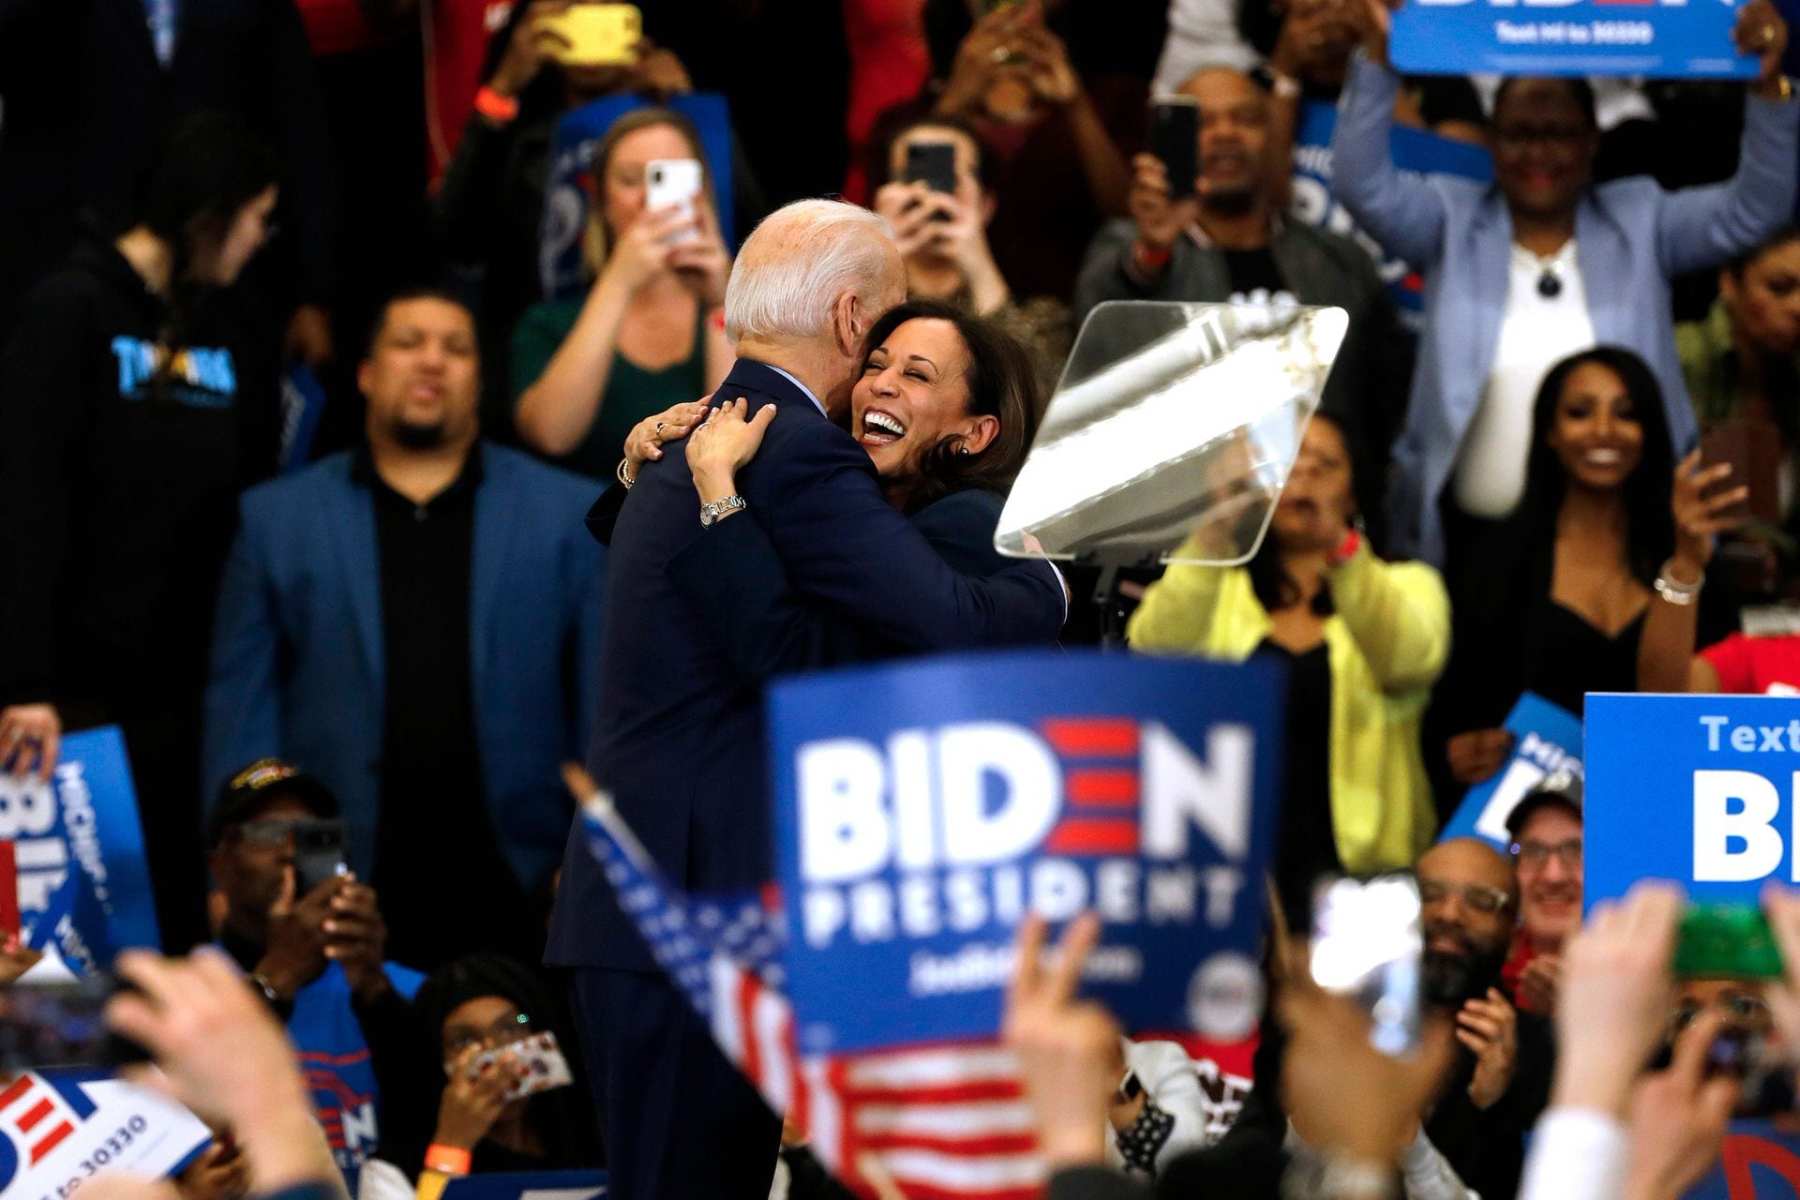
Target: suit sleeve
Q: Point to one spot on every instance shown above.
(243, 691)
(45, 388)
(1705, 226)
(1095, 1183)
(1405, 216)
(843, 546)
(773, 629)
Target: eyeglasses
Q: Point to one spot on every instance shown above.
(1536, 854)
(1740, 1008)
(270, 834)
(1539, 135)
(1483, 899)
(502, 1032)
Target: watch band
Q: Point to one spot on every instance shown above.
(710, 513)
(1675, 592)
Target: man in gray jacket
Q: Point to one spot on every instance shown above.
(1226, 239)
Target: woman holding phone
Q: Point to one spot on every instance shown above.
(650, 332)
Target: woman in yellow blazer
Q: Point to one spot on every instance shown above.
(1363, 641)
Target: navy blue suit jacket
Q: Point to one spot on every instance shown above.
(299, 666)
(679, 743)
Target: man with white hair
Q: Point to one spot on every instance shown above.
(678, 742)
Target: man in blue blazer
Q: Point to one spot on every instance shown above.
(679, 740)
(417, 623)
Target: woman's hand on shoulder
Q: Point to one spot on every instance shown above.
(645, 441)
(723, 444)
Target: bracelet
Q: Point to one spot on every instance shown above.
(1345, 550)
(1673, 590)
(1283, 86)
(495, 107)
(447, 1160)
(625, 479)
(261, 983)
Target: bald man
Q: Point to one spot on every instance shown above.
(1221, 236)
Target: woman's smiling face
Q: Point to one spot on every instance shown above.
(913, 393)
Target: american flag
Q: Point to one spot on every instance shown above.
(944, 1121)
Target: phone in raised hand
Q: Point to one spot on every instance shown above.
(673, 183)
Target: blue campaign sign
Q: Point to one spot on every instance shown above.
(77, 848)
(1697, 789)
(561, 271)
(923, 809)
(1415, 153)
(1661, 38)
(528, 1185)
(1758, 1161)
(1546, 738)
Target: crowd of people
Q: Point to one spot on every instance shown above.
(354, 422)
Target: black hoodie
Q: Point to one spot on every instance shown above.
(120, 466)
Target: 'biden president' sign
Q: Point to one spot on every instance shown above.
(923, 810)
(1703, 790)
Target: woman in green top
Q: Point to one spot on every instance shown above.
(648, 335)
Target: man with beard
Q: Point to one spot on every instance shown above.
(416, 623)
(1496, 1088)
(1222, 236)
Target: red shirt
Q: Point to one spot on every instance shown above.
(335, 26)
(1522, 954)
(1756, 665)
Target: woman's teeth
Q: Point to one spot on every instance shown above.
(880, 429)
(1603, 458)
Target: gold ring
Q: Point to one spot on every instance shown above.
(998, 54)
(1768, 35)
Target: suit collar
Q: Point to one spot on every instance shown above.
(751, 375)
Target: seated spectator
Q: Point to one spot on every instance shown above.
(1581, 265)
(1362, 641)
(1553, 600)
(943, 237)
(477, 1012)
(1059, 173)
(1226, 240)
(221, 1055)
(415, 620)
(651, 330)
(1448, 1120)
(318, 958)
(1545, 829)
(134, 405)
(1612, 1129)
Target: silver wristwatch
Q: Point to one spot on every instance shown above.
(710, 513)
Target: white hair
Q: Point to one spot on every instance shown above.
(795, 265)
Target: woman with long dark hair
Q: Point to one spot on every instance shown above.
(1362, 641)
(1553, 600)
(946, 406)
(137, 398)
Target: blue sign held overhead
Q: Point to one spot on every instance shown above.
(1668, 39)
(922, 810)
(1697, 789)
(1546, 739)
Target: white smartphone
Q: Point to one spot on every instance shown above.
(673, 183)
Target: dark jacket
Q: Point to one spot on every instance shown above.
(1368, 384)
(298, 664)
(119, 485)
(87, 102)
(679, 742)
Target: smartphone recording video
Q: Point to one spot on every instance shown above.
(1175, 139)
(318, 854)
(1367, 943)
